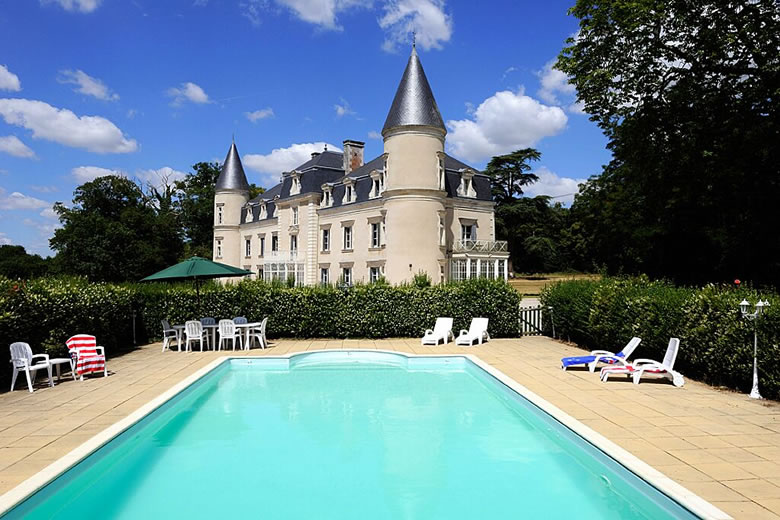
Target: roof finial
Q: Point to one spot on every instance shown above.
(326, 147)
(414, 38)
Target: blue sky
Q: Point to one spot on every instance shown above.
(147, 88)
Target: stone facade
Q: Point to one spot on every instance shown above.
(336, 218)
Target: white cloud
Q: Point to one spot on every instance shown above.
(18, 200)
(132, 113)
(576, 108)
(49, 213)
(9, 80)
(11, 144)
(373, 134)
(4, 240)
(90, 173)
(552, 83)
(283, 159)
(322, 12)
(44, 228)
(502, 123)
(257, 115)
(508, 71)
(44, 189)
(84, 6)
(188, 92)
(160, 176)
(343, 109)
(93, 133)
(250, 9)
(426, 18)
(561, 189)
(87, 84)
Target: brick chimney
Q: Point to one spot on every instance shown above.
(353, 155)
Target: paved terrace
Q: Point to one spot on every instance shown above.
(718, 444)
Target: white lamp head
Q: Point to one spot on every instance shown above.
(743, 306)
(759, 306)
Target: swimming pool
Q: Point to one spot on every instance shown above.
(349, 434)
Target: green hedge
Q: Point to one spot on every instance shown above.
(45, 312)
(716, 343)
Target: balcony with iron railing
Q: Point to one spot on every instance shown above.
(480, 246)
(284, 257)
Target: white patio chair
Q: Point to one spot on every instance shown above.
(169, 333)
(477, 332)
(258, 333)
(22, 360)
(441, 332)
(641, 367)
(87, 357)
(228, 331)
(193, 331)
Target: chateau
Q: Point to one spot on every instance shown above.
(337, 218)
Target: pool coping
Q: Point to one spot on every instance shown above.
(652, 476)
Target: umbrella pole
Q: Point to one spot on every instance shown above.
(197, 292)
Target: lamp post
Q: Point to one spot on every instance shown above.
(759, 308)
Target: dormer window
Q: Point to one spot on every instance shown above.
(349, 191)
(261, 214)
(295, 187)
(377, 183)
(466, 188)
(327, 196)
(249, 215)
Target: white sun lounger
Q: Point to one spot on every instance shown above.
(640, 367)
(477, 332)
(441, 332)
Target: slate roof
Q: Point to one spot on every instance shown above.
(321, 170)
(232, 176)
(414, 103)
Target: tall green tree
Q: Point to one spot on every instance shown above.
(687, 93)
(195, 207)
(113, 232)
(15, 262)
(510, 173)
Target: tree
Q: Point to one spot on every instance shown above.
(114, 232)
(509, 173)
(195, 206)
(686, 91)
(15, 262)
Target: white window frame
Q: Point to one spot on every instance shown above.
(374, 273)
(472, 228)
(295, 215)
(218, 248)
(347, 238)
(262, 245)
(247, 247)
(220, 214)
(346, 275)
(324, 275)
(293, 244)
(325, 240)
(274, 243)
(376, 234)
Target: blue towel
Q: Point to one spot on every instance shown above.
(584, 360)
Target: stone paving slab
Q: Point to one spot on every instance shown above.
(719, 444)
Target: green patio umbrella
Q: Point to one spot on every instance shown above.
(196, 269)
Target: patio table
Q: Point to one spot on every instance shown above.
(56, 362)
(179, 332)
(247, 327)
(211, 332)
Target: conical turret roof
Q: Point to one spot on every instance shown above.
(232, 176)
(414, 103)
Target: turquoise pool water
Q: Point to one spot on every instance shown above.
(348, 435)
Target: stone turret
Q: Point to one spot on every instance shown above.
(231, 194)
(414, 135)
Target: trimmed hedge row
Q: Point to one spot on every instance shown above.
(716, 343)
(46, 311)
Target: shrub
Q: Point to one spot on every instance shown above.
(716, 343)
(45, 312)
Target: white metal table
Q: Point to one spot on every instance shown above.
(248, 327)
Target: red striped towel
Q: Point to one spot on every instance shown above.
(84, 351)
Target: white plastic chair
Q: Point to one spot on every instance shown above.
(169, 333)
(228, 331)
(477, 332)
(22, 360)
(441, 332)
(258, 333)
(193, 331)
(642, 366)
